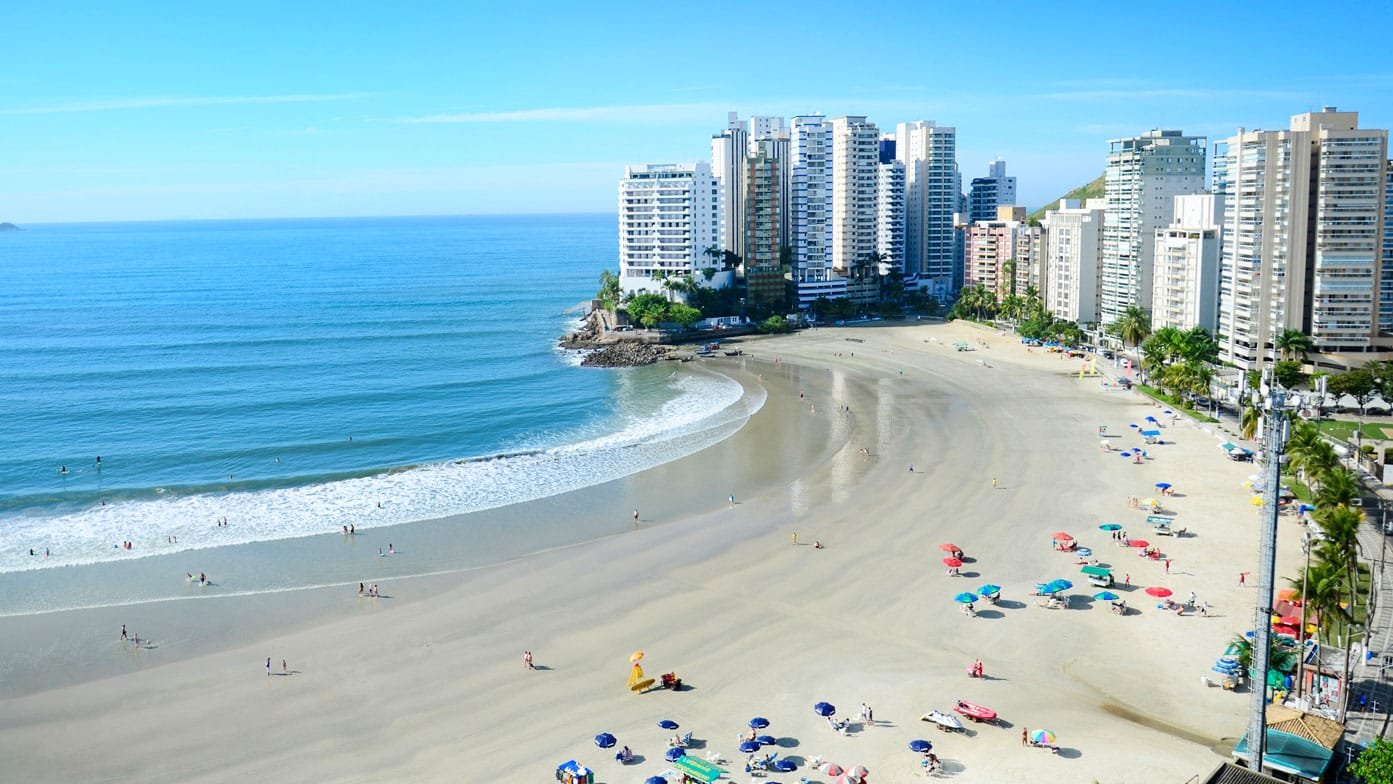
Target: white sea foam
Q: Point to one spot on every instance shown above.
(707, 409)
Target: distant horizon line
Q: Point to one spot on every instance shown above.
(22, 224)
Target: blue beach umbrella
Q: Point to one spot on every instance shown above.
(655, 780)
(766, 740)
(1105, 596)
(784, 765)
(604, 740)
(668, 724)
(759, 723)
(1054, 586)
(1163, 485)
(1151, 419)
(989, 589)
(1110, 527)
(1124, 454)
(1168, 411)
(824, 709)
(965, 597)
(1134, 427)
(749, 747)
(676, 754)
(921, 746)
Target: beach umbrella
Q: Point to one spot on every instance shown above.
(1289, 620)
(1110, 527)
(989, 589)
(824, 709)
(1163, 485)
(953, 562)
(1168, 411)
(784, 765)
(678, 753)
(1105, 596)
(635, 656)
(965, 597)
(1160, 592)
(1042, 736)
(831, 769)
(1151, 419)
(1060, 536)
(604, 740)
(749, 747)
(766, 740)
(921, 746)
(1124, 454)
(655, 780)
(1139, 543)
(1134, 427)
(859, 772)
(1255, 500)
(949, 547)
(1287, 594)
(758, 723)
(668, 724)
(1059, 585)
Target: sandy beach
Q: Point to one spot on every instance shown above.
(429, 685)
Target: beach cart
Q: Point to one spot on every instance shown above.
(572, 772)
(693, 769)
(1098, 576)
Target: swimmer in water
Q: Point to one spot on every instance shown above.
(62, 469)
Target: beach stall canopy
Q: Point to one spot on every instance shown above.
(697, 768)
(824, 709)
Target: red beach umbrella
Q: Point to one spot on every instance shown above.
(949, 547)
(1061, 536)
(832, 769)
(1288, 620)
(1140, 543)
(953, 562)
(1160, 592)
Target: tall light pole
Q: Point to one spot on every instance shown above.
(1274, 444)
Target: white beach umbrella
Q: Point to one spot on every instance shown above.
(1348, 401)
(1377, 404)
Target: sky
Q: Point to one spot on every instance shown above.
(163, 110)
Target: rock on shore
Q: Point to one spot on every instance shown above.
(626, 354)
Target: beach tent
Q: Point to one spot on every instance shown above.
(1347, 402)
(1377, 404)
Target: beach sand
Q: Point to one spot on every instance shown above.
(430, 686)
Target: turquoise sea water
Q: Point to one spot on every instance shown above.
(292, 375)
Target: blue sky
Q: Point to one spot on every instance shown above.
(156, 110)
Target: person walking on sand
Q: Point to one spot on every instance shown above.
(268, 666)
(285, 670)
(795, 537)
(1127, 579)
(124, 635)
(993, 483)
(1242, 578)
(1025, 736)
(1168, 566)
(732, 500)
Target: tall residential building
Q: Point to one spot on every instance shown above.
(1385, 291)
(855, 161)
(1072, 258)
(728, 149)
(1144, 173)
(1185, 283)
(990, 192)
(999, 253)
(932, 191)
(889, 215)
(810, 210)
(763, 200)
(1303, 235)
(669, 214)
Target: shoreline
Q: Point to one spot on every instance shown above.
(431, 686)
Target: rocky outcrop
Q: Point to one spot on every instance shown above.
(583, 338)
(626, 354)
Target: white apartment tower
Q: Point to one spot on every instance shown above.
(669, 214)
(932, 192)
(1144, 174)
(889, 215)
(988, 193)
(1303, 234)
(855, 161)
(810, 210)
(728, 150)
(1385, 292)
(1072, 258)
(1185, 279)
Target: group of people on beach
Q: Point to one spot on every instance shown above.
(202, 578)
(369, 590)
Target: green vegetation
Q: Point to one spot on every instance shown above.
(1179, 360)
(1374, 765)
(1288, 373)
(1335, 585)
(1133, 327)
(1344, 430)
(775, 325)
(1092, 190)
(609, 293)
(1176, 402)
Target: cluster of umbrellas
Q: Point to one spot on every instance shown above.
(844, 775)
(967, 597)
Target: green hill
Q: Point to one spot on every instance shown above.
(1093, 190)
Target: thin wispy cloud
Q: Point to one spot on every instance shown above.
(674, 112)
(123, 104)
(1165, 92)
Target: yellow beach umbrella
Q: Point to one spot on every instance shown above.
(1255, 500)
(635, 656)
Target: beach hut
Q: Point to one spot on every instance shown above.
(1298, 744)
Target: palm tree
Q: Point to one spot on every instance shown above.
(1280, 656)
(1293, 344)
(1248, 427)
(1338, 486)
(1133, 326)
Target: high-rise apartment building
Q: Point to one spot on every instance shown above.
(1144, 173)
(1303, 235)
(1073, 253)
(855, 164)
(1185, 279)
(932, 191)
(763, 200)
(1385, 291)
(990, 192)
(669, 214)
(728, 149)
(999, 253)
(889, 215)
(810, 210)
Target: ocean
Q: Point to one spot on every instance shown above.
(296, 376)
